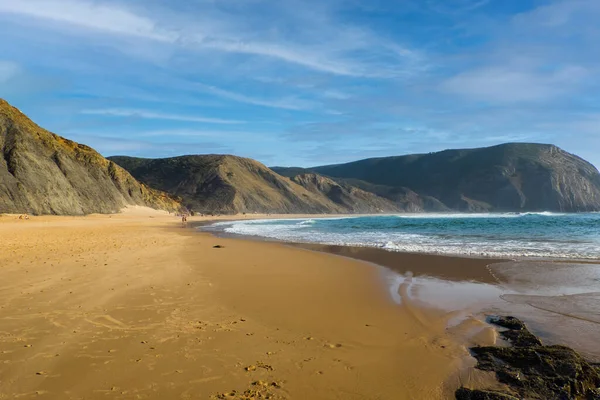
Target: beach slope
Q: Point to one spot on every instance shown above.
(134, 306)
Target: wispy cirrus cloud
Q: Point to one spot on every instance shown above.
(342, 76)
(8, 70)
(136, 147)
(288, 103)
(108, 18)
(537, 56)
(515, 84)
(334, 57)
(118, 112)
(455, 7)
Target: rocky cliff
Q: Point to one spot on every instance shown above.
(43, 173)
(350, 198)
(508, 177)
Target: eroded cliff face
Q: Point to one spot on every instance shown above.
(508, 177)
(350, 198)
(43, 173)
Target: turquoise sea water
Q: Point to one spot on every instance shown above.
(495, 235)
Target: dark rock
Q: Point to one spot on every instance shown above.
(218, 246)
(507, 322)
(521, 338)
(517, 334)
(535, 371)
(470, 394)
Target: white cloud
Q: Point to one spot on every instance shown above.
(455, 7)
(285, 103)
(118, 145)
(8, 70)
(117, 112)
(232, 136)
(89, 15)
(294, 54)
(561, 13)
(335, 94)
(506, 84)
(540, 55)
(322, 45)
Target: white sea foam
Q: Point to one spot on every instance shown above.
(476, 215)
(488, 244)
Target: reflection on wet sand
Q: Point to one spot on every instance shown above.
(585, 306)
(559, 301)
(457, 303)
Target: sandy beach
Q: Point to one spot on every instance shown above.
(134, 306)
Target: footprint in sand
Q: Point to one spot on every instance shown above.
(259, 364)
(257, 390)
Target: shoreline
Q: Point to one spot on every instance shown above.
(493, 259)
(483, 274)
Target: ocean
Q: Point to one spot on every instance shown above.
(509, 235)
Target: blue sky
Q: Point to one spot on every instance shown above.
(305, 82)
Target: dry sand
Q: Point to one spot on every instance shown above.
(132, 306)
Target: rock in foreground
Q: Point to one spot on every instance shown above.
(532, 370)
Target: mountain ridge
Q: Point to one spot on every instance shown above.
(219, 183)
(505, 177)
(44, 173)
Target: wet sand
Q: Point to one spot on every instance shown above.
(560, 300)
(132, 306)
(444, 267)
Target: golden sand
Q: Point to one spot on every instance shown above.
(132, 306)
